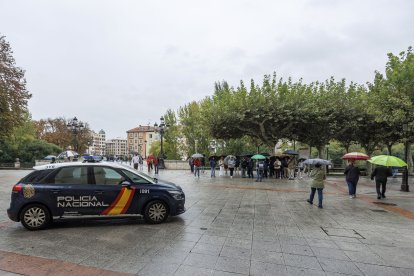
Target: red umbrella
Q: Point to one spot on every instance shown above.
(355, 156)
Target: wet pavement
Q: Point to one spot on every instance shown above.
(231, 227)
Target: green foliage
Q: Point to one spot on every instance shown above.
(13, 93)
(22, 144)
(37, 149)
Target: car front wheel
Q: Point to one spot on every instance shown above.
(35, 217)
(156, 212)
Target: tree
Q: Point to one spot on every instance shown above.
(55, 131)
(13, 92)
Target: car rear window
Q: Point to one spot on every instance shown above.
(35, 177)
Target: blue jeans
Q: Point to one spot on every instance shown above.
(351, 187)
(259, 175)
(196, 171)
(213, 172)
(320, 195)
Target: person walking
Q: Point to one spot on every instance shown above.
(135, 161)
(260, 170)
(197, 165)
(149, 164)
(301, 168)
(318, 176)
(141, 163)
(381, 173)
(352, 173)
(221, 165)
(156, 162)
(231, 164)
(244, 167)
(213, 167)
(291, 168)
(191, 164)
(278, 165)
(250, 168)
(284, 167)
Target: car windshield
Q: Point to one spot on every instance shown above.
(140, 174)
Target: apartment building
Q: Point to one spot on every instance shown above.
(97, 146)
(116, 147)
(140, 139)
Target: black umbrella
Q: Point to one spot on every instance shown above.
(291, 152)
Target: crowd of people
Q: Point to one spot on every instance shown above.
(284, 167)
(288, 167)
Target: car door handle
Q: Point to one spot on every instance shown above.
(99, 192)
(55, 191)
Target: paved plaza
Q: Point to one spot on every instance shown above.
(231, 227)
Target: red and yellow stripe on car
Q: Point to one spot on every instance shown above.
(121, 203)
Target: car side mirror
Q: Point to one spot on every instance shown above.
(126, 184)
(156, 180)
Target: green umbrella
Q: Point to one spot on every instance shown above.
(258, 156)
(388, 161)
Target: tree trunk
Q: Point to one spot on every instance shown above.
(321, 152)
(369, 165)
(410, 159)
(389, 147)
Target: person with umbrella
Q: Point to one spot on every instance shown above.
(277, 165)
(191, 164)
(221, 165)
(250, 168)
(352, 173)
(197, 165)
(318, 176)
(381, 174)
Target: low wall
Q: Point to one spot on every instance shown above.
(176, 165)
(41, 162)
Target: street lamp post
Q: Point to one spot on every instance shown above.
(75, 127)
(404, 184)
(161, 128)
(145, 149)
(327, 157)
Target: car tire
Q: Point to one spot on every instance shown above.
(156, 212)
(35, 217)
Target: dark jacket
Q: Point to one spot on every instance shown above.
(352, 174)
(381, 173)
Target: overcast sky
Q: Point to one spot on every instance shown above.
(120, 64)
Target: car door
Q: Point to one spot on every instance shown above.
(144, 191)
(109, 190)
(72, 191)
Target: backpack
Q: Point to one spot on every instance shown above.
(261, 166)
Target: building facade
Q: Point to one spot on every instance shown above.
(116, 147)
(97, 146)
(140, 139)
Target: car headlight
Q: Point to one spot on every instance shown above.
(177, 195)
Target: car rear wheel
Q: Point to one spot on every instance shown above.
(156, 212)
(35, 217)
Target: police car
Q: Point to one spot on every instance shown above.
(91, 189)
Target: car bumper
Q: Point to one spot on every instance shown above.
(179, 208)
(12, 215)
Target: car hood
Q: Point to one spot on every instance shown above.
(168, 184)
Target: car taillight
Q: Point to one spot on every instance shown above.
(17, 188)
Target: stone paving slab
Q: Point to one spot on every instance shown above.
(231, 227)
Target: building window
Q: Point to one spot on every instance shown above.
(150, 136)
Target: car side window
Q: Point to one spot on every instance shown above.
(135, 178)
(107, 176)
(71, 175)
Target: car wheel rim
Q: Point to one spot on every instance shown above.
(35, 217)
(157, 212)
